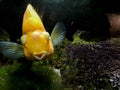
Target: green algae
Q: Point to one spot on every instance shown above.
(29, 77)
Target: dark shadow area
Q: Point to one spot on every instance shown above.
(85, 15)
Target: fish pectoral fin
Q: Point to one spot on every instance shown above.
(4, 36)
(58, 33)
(11, 50)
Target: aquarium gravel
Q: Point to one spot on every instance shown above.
(97, 65)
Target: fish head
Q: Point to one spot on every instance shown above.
(37, 45)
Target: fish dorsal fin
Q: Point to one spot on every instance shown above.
(11, 50)
(58, 33)
(31, 20)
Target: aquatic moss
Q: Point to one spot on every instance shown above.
(29, 77)
(78, 40)
(84, 37)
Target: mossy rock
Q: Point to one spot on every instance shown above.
(29, 77)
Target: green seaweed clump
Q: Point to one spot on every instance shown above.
(29, 76)
(77, 38)
(84, 37)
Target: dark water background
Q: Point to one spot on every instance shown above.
(86, 15)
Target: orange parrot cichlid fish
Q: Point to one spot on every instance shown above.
(36, 42)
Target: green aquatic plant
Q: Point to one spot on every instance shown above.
(78, 40)
(21, 77)
(84, 37)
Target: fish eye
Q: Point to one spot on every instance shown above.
(23, 39)
(46, 34)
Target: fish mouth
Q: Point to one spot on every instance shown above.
(40, 56)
